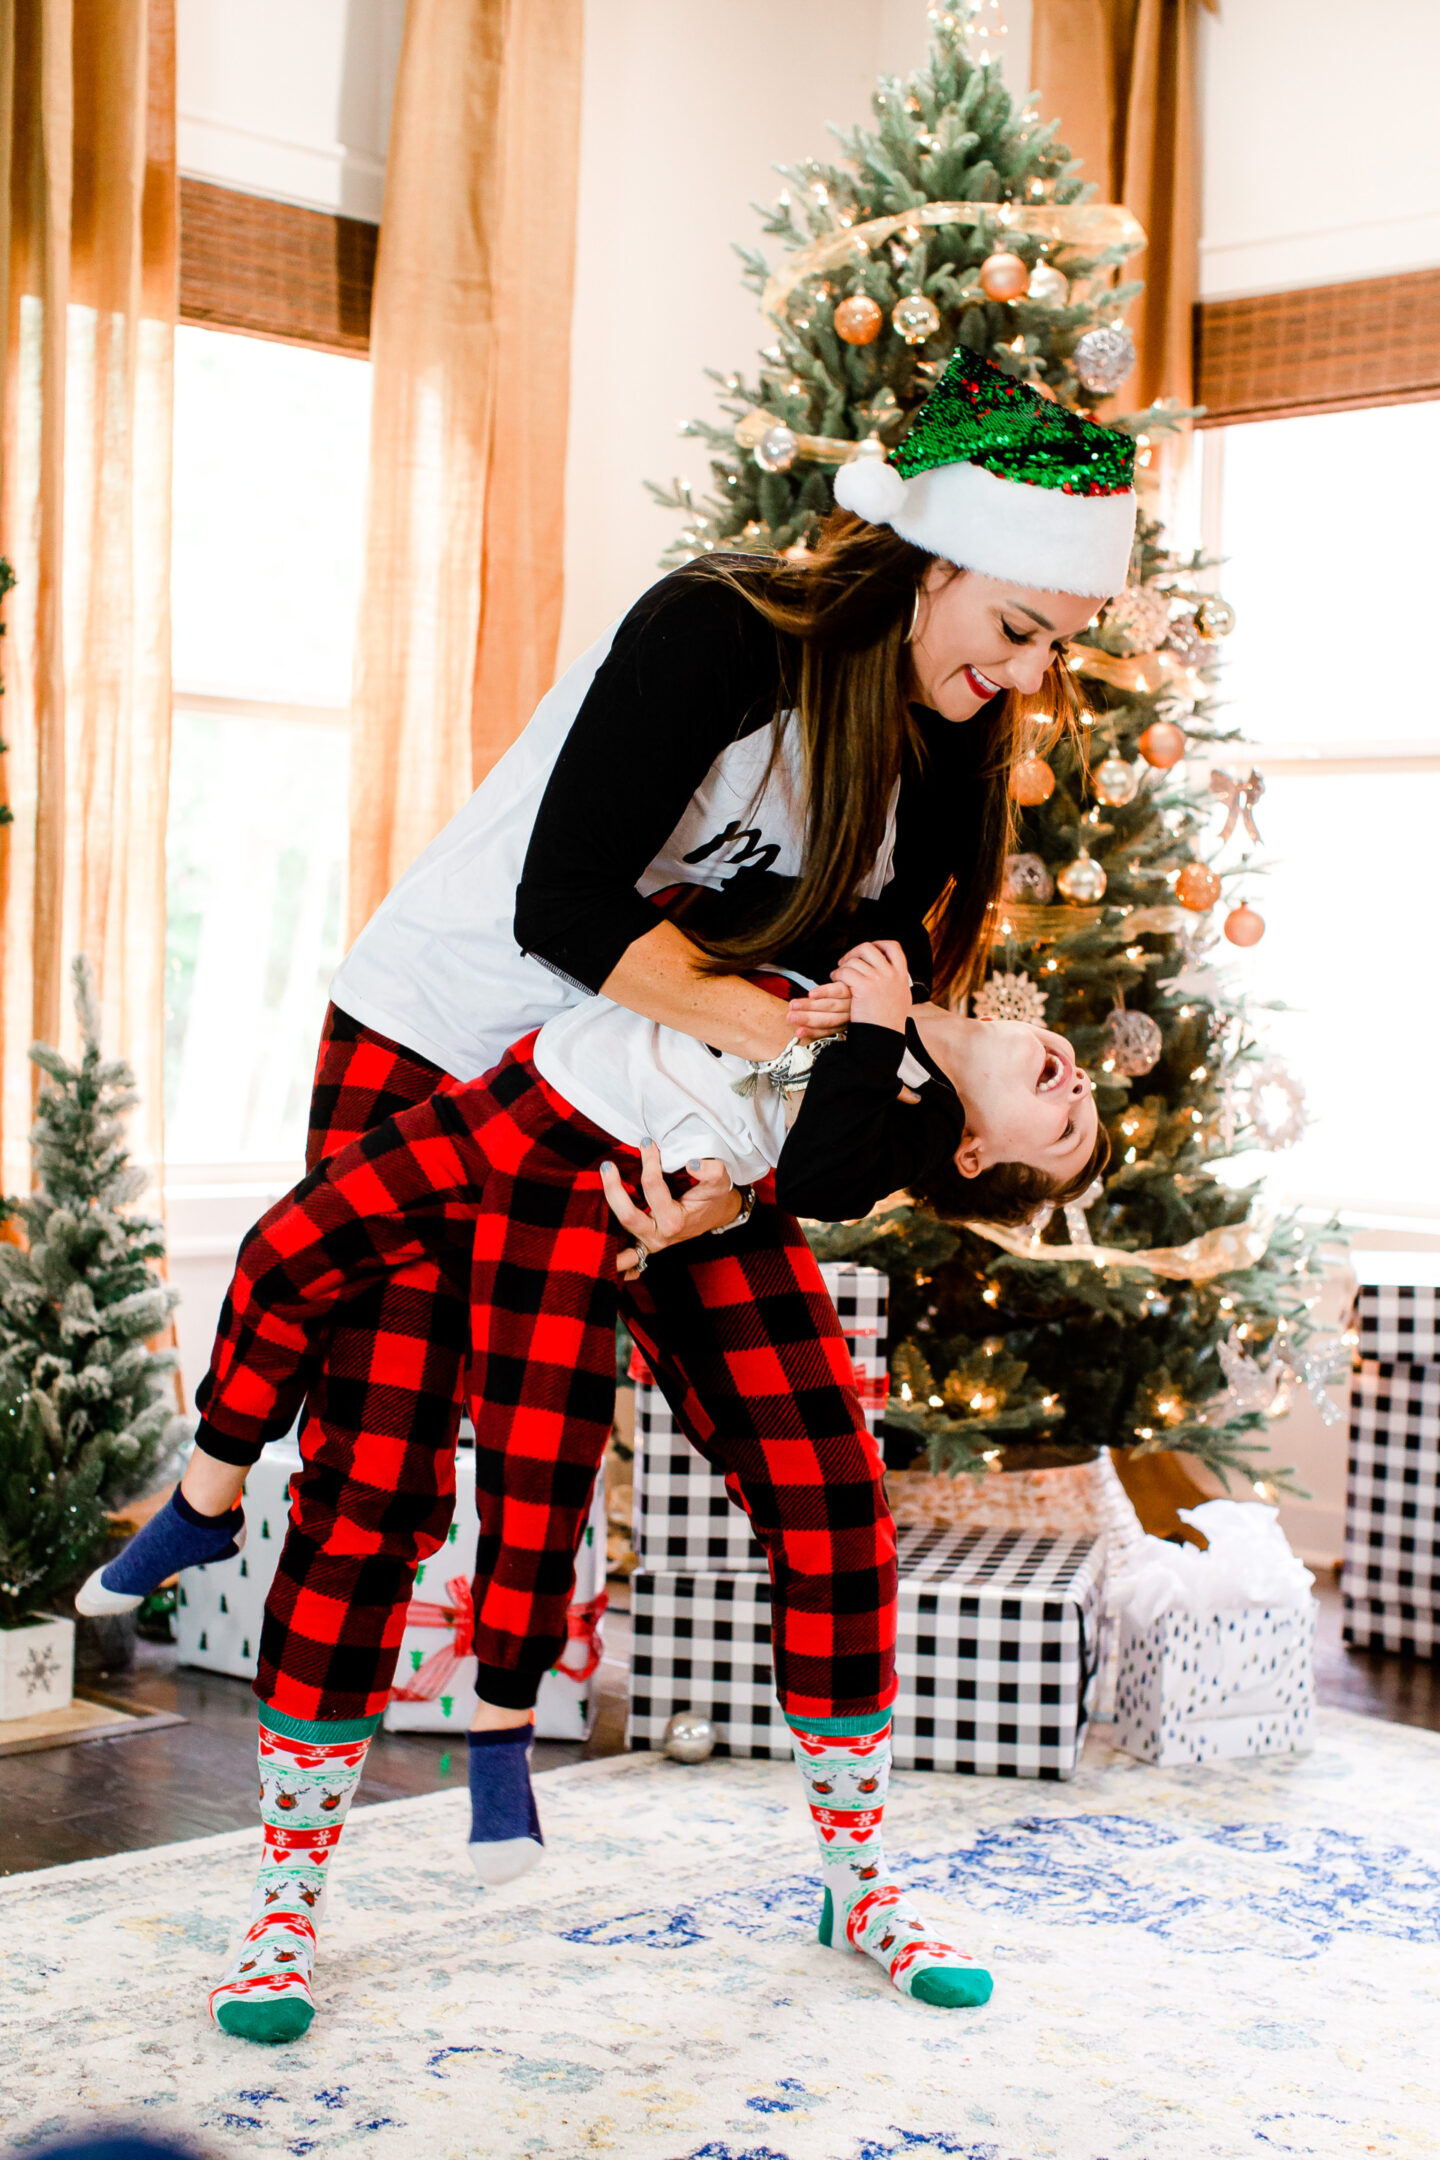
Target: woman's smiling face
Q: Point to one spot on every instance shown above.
(976, 636)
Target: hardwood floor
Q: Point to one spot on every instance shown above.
(191, 1780)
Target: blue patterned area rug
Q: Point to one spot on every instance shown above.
(1236, 1960)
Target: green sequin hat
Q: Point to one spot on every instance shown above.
(998, 479)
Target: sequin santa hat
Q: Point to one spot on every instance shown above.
(998, 479)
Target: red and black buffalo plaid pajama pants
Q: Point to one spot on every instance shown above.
(454, 1239)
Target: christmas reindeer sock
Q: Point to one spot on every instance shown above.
(308, 1775)
(845, 1774)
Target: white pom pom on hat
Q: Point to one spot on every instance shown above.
(870, 488)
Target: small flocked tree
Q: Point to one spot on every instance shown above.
(1041, 1347)
(87, 1415)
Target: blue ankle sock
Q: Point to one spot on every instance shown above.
(178, 1537)
(505, 1839)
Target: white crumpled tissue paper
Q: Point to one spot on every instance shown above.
(1247, 1562)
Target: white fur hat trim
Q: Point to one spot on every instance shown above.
(1002, 528)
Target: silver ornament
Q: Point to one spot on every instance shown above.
(1139, 617)
(1083, 881)
(1116, 782)
(689, 1737)
(1185, 637)
(775, 451)
(1048, 286)
(1214, 618)
(916, 317)
(1132, 1042)
(1103, 359)
(1009, 997)
(1026, 878)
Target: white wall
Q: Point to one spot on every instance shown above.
(289, 98)
(1319, 159)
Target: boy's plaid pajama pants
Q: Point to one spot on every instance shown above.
(465, 1234)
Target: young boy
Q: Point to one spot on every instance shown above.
(983, 1119)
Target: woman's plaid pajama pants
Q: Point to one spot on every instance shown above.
(453, 1239)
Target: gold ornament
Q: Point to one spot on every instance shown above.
(1214, 618)
(1116, 782)
(1083, 880)
(1031, 781)
(776, 449)
(1003, 276)
(916, 317)
(1162, 744)
(1047, 287)
(1197, 887)
(858, 320)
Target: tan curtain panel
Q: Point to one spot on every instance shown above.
(1120, 76)
(88, 259)
(470, 338)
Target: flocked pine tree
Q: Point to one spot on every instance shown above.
(86, 1410)
(959, 219)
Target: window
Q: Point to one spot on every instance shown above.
(1331, 564)
(271, 447)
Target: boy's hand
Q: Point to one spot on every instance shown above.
(823, 1011)
(877, 975)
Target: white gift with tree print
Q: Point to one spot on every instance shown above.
(219, 1608)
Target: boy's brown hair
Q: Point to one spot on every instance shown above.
(1008, 1193)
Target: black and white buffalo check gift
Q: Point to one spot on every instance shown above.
(1391, 1579)
(996, 1653)
(684, 1518)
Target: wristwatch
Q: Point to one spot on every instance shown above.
(747, 1209)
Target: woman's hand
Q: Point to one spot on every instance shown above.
(709, 1204)
(824, 1011)
(877, 975)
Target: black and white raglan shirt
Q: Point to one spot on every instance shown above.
(645, 769)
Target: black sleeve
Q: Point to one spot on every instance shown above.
(692, 668)
(854, 1141)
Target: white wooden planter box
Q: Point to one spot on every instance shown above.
(37, 1667)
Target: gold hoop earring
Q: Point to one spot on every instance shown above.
(909, 637)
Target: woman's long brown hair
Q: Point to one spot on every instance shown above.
(842, 617)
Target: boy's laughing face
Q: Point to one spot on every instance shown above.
(1026, 1100)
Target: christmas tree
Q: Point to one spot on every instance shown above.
(87, 1416)
(1168, 1311)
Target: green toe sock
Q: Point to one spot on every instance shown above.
(953, 1990)
(269, 2023)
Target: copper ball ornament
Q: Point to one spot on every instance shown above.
(1244, 926)
(1162, 744)
(858, 319)
(916, 317)
(1116, 782)
(1031, 781)
(1197, 887)
(1048, 286)
(1083, 881)
(1004, 276)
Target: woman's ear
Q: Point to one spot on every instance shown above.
(970, 1155)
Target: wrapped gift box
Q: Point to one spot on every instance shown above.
(1391, 1579)
(1398, 1321)
(219, 1608)
(685, 1521)
(434, 1679)
(1200, 1687)
(995, 1655)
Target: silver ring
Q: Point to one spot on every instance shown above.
(642, 1263)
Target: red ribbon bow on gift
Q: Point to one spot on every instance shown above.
(433, 1678)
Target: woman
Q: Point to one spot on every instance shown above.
(764, 764)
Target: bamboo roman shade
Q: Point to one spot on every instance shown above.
(273, 270)
(1323, 348)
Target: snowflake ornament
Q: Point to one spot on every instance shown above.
(1009, 997)
(1276, 1106)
